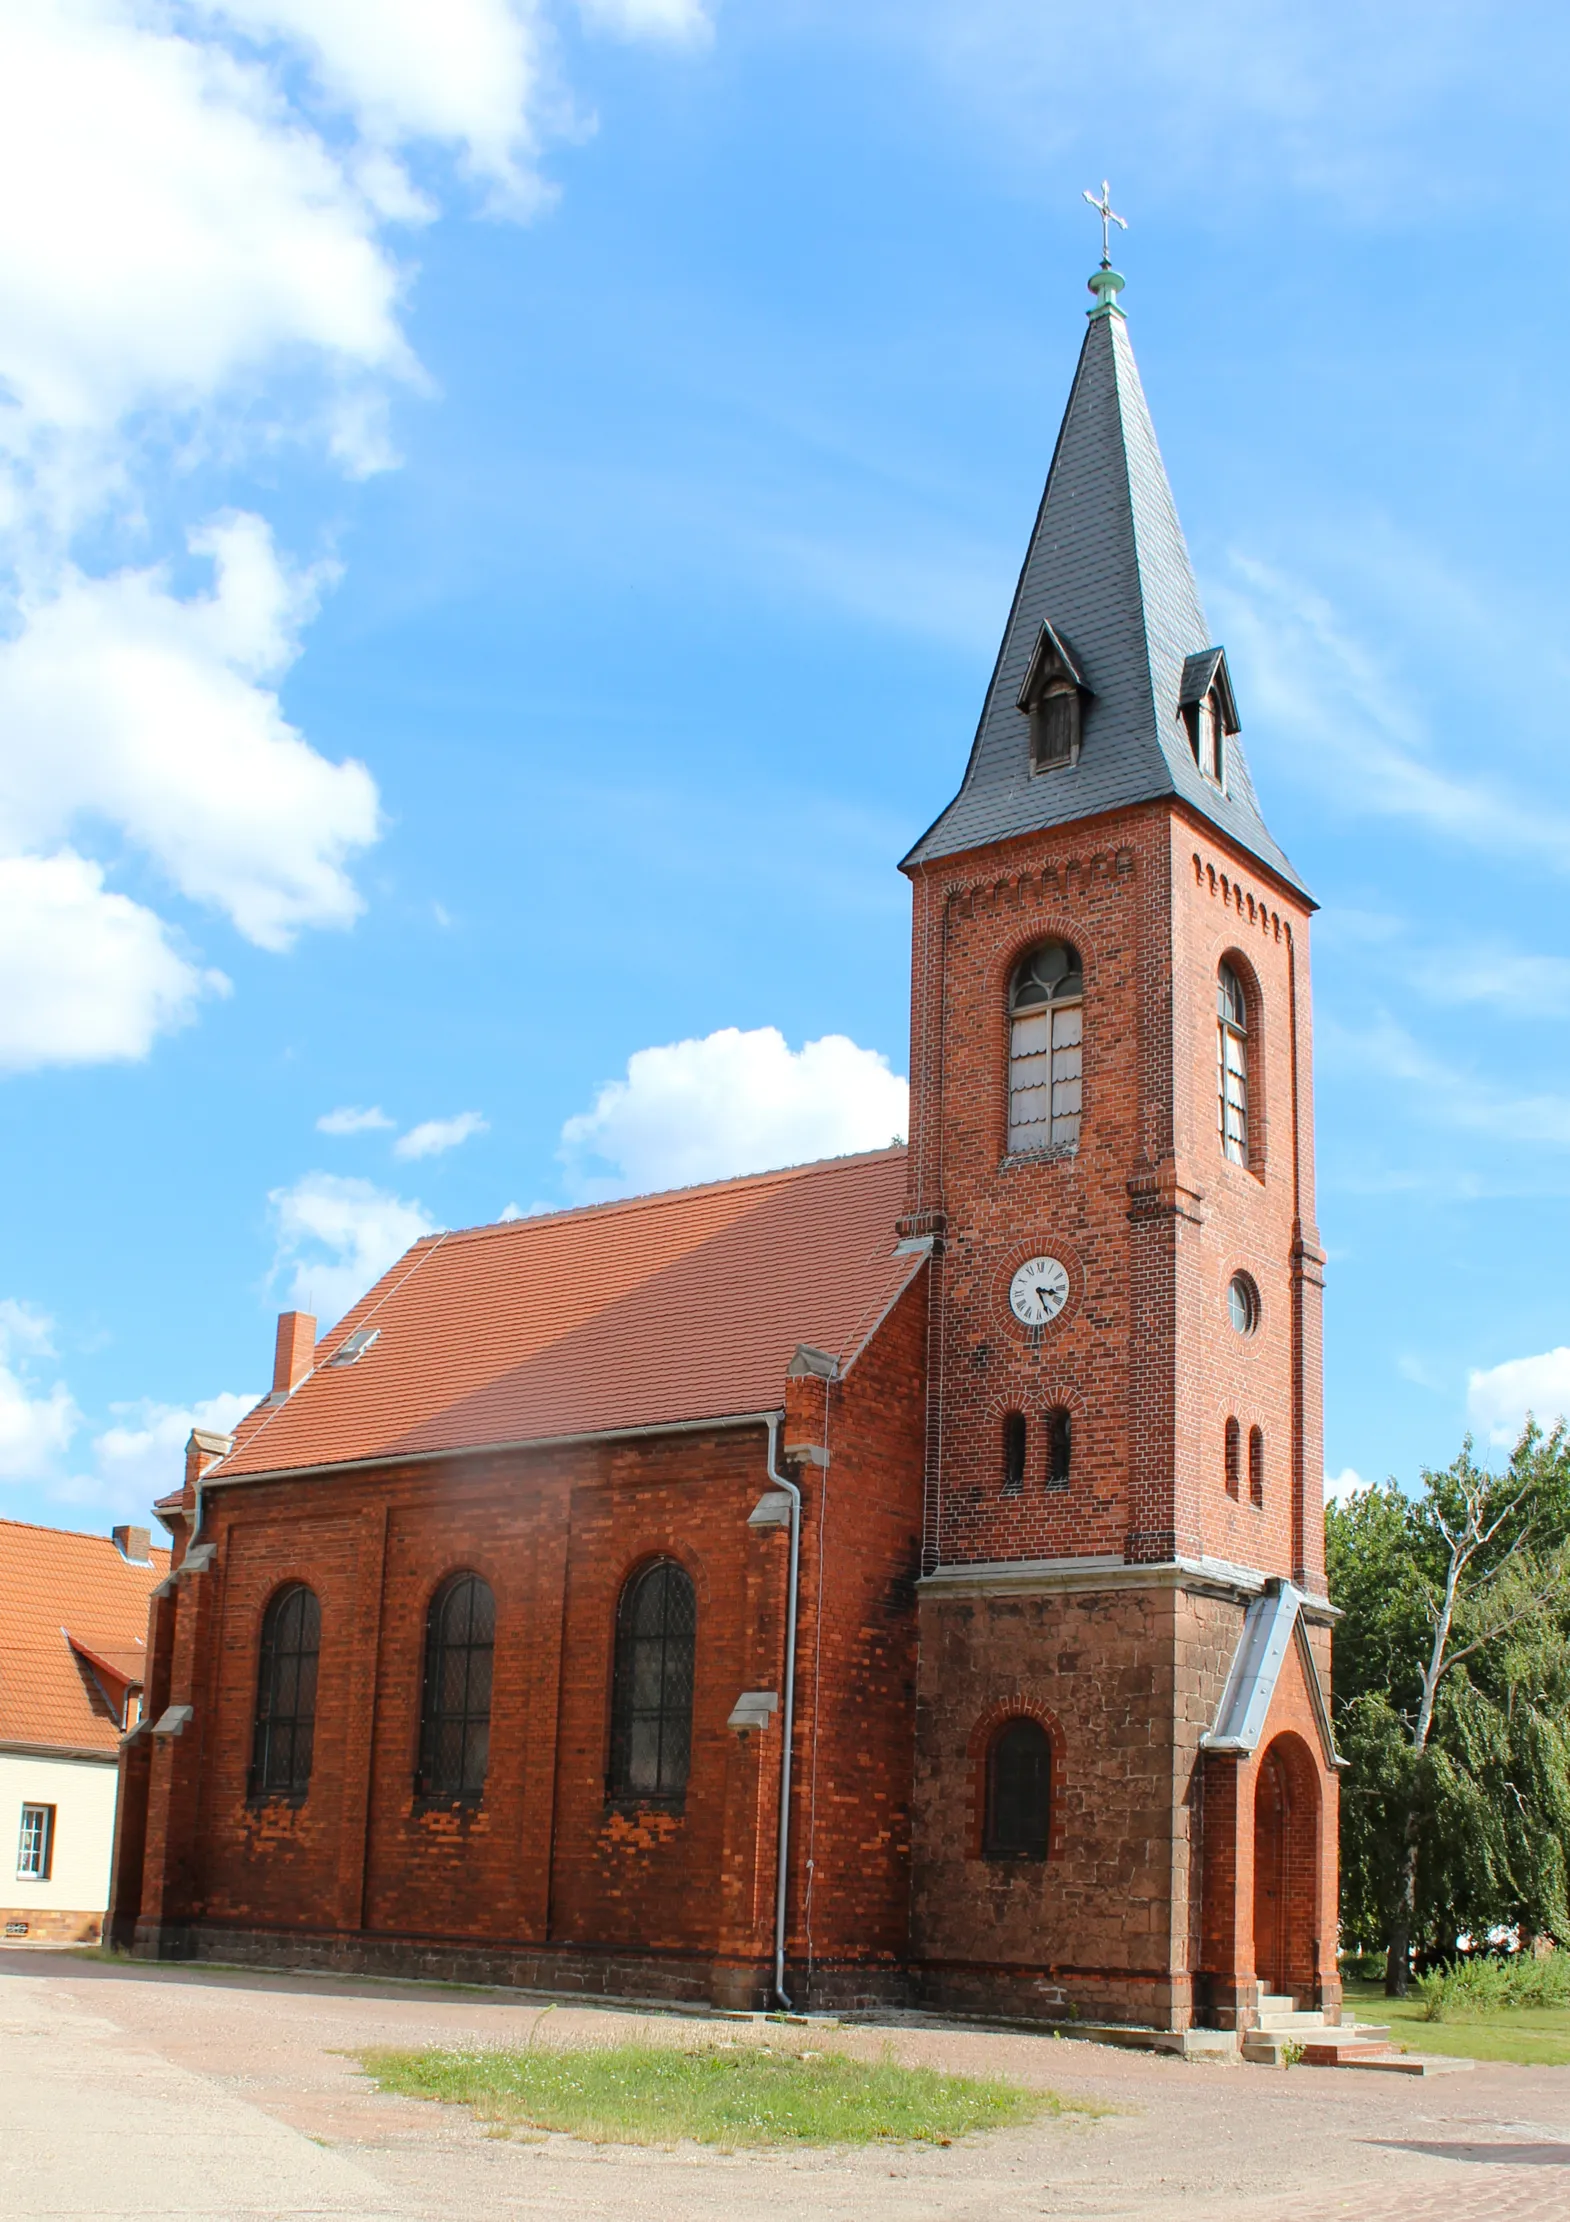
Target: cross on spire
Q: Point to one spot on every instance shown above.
(1109, 216)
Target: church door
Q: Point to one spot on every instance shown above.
(1272, 1832)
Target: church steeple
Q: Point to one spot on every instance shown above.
(1107, 603)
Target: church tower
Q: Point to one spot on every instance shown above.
(1125, 1801)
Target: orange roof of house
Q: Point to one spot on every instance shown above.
(67, 1601)
(669, 1308)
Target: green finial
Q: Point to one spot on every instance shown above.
(1107, 283)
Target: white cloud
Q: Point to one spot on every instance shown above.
(36, 1422)
(86, 975)
(123, 701)
(350, 1119)
(1499, 1398)
(337, 1236)
(1344, 1485)
(432, 1136)
(142, 1455)
(681, 20)
(1456, 1097)
(731, 1103)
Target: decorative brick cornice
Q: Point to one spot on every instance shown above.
(1059, 882)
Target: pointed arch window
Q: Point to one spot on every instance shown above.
(1232, 1064)
(1046, 1030)
(1013, 1453)
(1018, 1819)
(284, 1733)
(455, 1717)
(651, 1709)
(1060, 1446)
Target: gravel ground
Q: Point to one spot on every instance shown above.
(183, 2093)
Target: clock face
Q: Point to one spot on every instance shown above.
(1038, 1291)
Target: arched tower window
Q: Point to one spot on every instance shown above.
(285, 1728)
(455, 1718)
(1013, 1453)
(1019, 1792)
(1234, 1458)
(651, 1710)
(1046, 1021)
(1232, 1064)
(1060, 1445)
(1256, 1465)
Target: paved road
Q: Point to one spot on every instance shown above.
(191, 2094)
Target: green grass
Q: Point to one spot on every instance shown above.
(716, 2094)
(1531, 2036)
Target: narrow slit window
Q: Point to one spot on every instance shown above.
(1232, 1064)
(1234, 1458)
(1013, 1454)
(1046, 1030)
(1256, 1465)
(455, 1723)
(1019, 1792)
(284, 1734)
(1060, 1446)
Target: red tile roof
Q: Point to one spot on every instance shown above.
(62, 1596)
(682, 1306)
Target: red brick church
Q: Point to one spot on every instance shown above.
(899, 1578)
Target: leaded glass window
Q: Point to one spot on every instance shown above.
(1234, 1457)
(285, 1730)
(1046, 1025)
(651, 1712)
(1256, 1465)
(455, 1719)
(1232, 1064)
(1019, 1792)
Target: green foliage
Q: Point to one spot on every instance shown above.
(1488, 1984)
(1483, 1787)
(741, 2094)
(1533, 2037)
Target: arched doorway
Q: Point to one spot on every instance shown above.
(1286, 1871)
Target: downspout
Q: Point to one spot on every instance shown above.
(782, 1872)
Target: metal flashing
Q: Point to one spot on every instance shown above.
(1272, 1626)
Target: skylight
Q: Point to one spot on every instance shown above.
(354, 1347)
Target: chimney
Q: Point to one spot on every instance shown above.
(132, 1545)
(295, 1353)
(204, 1449)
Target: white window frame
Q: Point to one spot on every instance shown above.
(35, 1844)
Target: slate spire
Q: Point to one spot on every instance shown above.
(1108, 572)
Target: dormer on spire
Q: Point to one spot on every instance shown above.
(1051, 696)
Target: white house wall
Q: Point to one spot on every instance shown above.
(82, 1792)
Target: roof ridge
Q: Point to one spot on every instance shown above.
(80, 1535)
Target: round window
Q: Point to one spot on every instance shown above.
(1243, 1303)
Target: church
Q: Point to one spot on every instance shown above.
(897, 1580)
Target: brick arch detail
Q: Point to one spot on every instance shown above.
(1025, 1704)
(1300, 1880)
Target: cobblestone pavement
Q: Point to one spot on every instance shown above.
(186, 2093)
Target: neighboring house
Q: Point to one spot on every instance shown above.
(73, 1620)
(900, 1578)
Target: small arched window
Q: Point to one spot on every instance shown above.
(1234, 1458)
(1046, 1022)
(1060, 1446)
(1256, 1465)
(1232, 1064)
(1019, 1792)
(1013, 1453)
(651, 1710)
(285, 1729)
(455, 1717)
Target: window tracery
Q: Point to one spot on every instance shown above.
(1046, 1033)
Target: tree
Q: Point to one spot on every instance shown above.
(1453, 1703)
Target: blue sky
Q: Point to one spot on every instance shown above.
(506, 516)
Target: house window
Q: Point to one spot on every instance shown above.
(285, 1729)
(651, 1709)
(1046, 1020)
(1234, 1458)
(1060, 1444)
(35, 1851)
(455, 1717)
(1019, 1792)
(1256, 1465)
(1013, 1453)
(1232, 1064)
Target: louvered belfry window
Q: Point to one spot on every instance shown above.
(651, 1710)
(1232, 1064)
(1046, 1025)
(455, 1718)
(1019, 1792)
(285, 1729)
